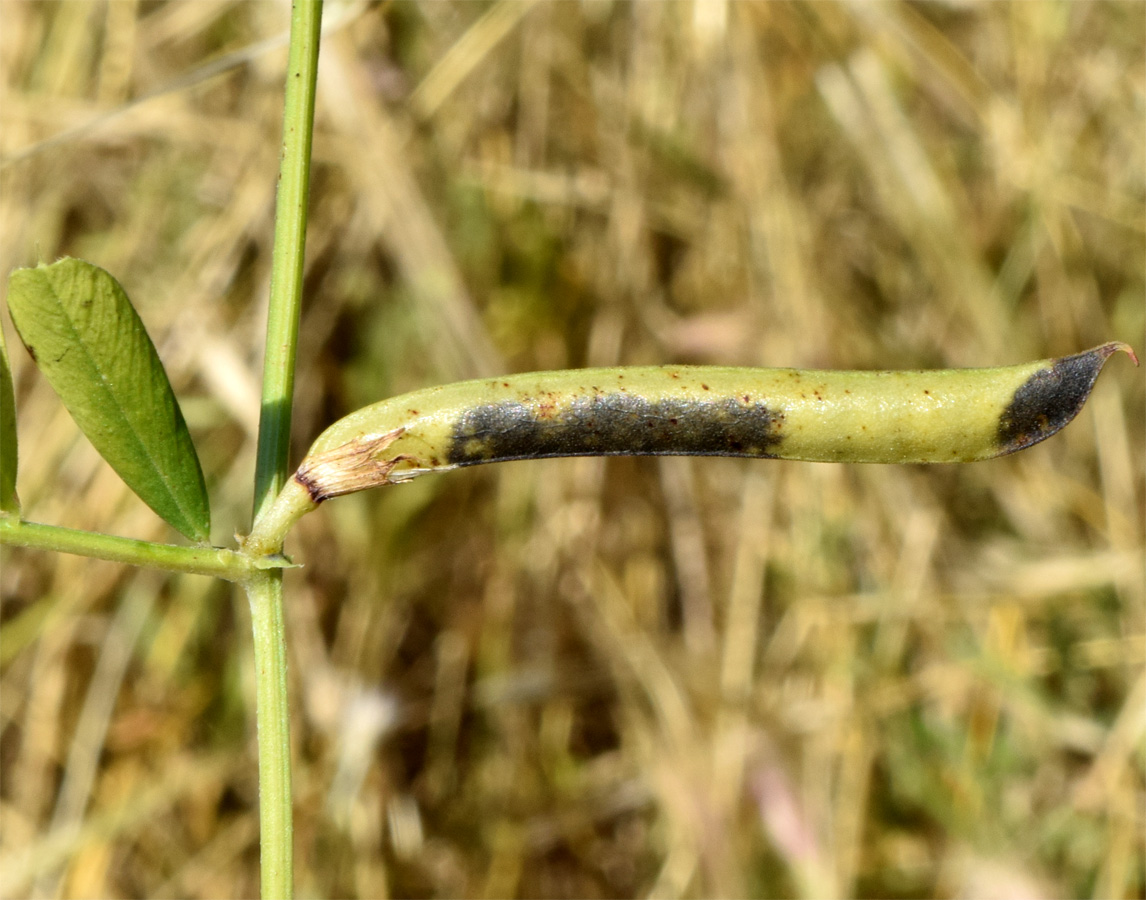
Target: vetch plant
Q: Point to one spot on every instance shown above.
(79, 326)
(76, 321)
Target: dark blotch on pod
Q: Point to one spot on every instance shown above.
(1050, 398)
(614, 425)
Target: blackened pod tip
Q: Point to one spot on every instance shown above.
(1052, 396)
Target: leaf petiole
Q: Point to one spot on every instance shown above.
(214, 561)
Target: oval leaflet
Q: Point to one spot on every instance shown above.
(87, 339)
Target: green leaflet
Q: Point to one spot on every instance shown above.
(88, 340)
(9, 502)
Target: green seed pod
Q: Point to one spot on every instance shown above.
(938, 416)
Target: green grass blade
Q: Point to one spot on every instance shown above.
(9, 502)
(87, 339)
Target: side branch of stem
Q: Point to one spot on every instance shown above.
(213, 561)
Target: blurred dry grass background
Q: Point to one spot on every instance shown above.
(596, 678)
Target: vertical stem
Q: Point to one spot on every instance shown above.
(288, 256)
(265, 590)
(275, 815)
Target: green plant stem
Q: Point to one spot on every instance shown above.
(266, 537)
(265, 590)
(275, 815)
(193, 560)
(288, 255)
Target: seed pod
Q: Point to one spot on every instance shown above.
(937, 416)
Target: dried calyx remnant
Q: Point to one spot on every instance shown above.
(345, 468)
(942, 415)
